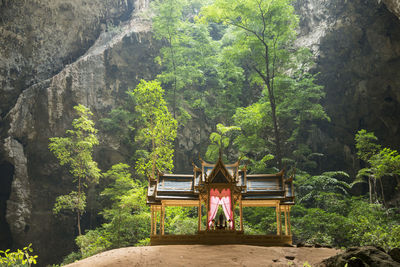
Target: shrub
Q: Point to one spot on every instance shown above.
(18, 258)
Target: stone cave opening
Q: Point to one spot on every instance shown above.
(6, 177)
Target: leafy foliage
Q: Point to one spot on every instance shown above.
(380, 162)
(328, 215)
(119, 123)
(70, 202)
(309, 187)
(126, 214)
(220, 140)
(157, 130)
(261, 34)
(76, 151)
(92, 242)
(18, 258)
(366, 144)
(195, 72)
(385, 163)
(181, 220)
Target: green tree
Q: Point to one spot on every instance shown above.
(156, 131)
(128, 217)
(311, 187)
(262, 34)
(253, 142)
(220, 140)
(193, 72)
(166, 25)
(385, 163)
(366, 144)
(76, 151)
(18, 258)
(380, 162)
(366, 147)
(263, 31)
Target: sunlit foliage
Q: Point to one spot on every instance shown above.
(76, 151)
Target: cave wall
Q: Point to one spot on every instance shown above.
(58, 54)
(357, 49)
(116, 60)
(38, 38)
(393, 6)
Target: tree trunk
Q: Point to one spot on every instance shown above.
(174, 67)
(370, 189)
(268, 82)
(375, 191)
(153, 168)
(383, 195)
(78, 210)
(277, 136)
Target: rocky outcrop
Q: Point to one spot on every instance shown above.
(357, 49)
(98, 79)
(38, 38)
(395, 254)
(360, 256)
(19, 205)
(393, 6)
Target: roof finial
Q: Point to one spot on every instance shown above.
(220, 153)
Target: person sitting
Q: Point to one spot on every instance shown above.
(213, 224)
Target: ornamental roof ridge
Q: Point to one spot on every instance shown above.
(219, 167)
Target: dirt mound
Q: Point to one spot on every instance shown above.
(205, 255)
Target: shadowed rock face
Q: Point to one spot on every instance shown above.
(98, 79)
(393, 6)
(38, 38)
(56, 55)
(362, 256)
(357, 48)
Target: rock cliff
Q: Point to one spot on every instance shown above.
(393, 6)
(55, 55)
(74, 63)
(357, 49)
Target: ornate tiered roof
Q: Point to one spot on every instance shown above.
(251, 186)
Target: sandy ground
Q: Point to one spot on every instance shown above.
(205, 255)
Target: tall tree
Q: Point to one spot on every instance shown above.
(194, 73)
(166, 25)
(76, 151)
(263, 29)
(128, 216)
(157, 129)
(262, 34)
(380, 162)
(367, 147)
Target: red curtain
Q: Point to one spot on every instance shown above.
(220, 198)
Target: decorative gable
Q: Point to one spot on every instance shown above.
(220, 174)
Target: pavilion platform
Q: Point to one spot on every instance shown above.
(215, 237)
